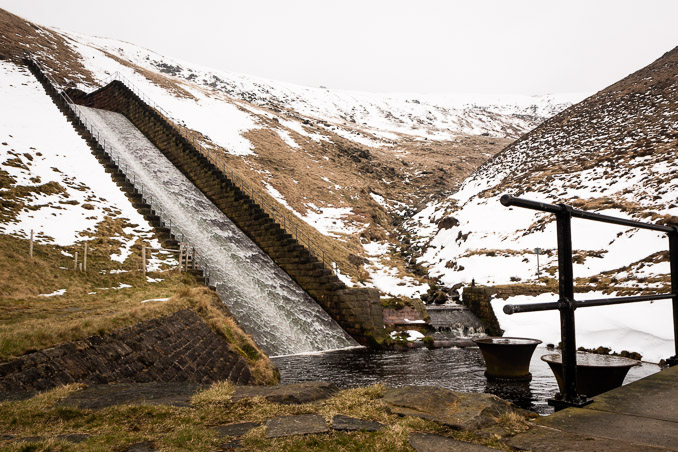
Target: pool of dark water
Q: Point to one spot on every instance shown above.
(458, 369)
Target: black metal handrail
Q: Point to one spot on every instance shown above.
(566, 303)
(517, 308)
(509, 200)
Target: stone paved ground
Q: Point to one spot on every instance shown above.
(351, 424)
(641, 416)
(235, 430)
(156, 393)
(288, 394)
(302, 424)
(424, 442)
(458, 410)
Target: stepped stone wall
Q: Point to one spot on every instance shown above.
(162, 233)
(178, 347)
(357, 310)
(477, 299)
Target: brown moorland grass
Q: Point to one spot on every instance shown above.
(411, 175)
(100, 300)
(17, 36)
(171, 85)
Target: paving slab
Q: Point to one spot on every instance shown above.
(29, 439)
(156, 393)
(14, 396)
(302, 424)
(296, 393)
(351, 424)
(633, 429)
(145, 446)
(461, 411)
(655, 396)
(74, 437)
(235, 429)
(640, 416)
(231, 445)
(545, 439)
(425, 442)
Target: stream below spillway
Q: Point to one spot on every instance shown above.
(458, 369)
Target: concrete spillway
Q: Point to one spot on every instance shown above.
(266, 302)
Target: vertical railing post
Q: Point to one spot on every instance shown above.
(673, 257)
(569, 397)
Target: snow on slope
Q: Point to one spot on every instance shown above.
(59, 188)
(372, 119)
(222, 121)
(225, 107)
(614, 153)
(271, 131)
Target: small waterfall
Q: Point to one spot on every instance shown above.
(266, 302)
(454, 321)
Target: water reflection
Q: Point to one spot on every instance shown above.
(458, 369)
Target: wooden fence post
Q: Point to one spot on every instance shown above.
(75, 262)
(84, 260)
(193, 263)
(31, 247)
(143, 259)
(181, 253)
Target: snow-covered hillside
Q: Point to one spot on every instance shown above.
(51, 182)
(350, 166)
(371, 119)
(613, 153)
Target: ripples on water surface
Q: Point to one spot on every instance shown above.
(459, 369)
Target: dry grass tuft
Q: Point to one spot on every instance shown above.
(218, 394)
(513, 422)
(45, 400)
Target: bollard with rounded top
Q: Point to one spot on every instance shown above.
(507, 358)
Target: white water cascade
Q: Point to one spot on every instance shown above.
(266, 302)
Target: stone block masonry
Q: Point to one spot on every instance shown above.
(163, 234)
(393, 316)
(357, 310)
(177, 347)
(477, 299)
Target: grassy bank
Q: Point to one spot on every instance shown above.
(109, 296)
(193, 428)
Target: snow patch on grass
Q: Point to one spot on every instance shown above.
(331, 221)
(388, 279)
(50, 151)
(56, 293)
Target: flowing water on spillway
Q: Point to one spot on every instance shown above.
(267, 303)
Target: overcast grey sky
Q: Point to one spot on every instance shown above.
(494, 46)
